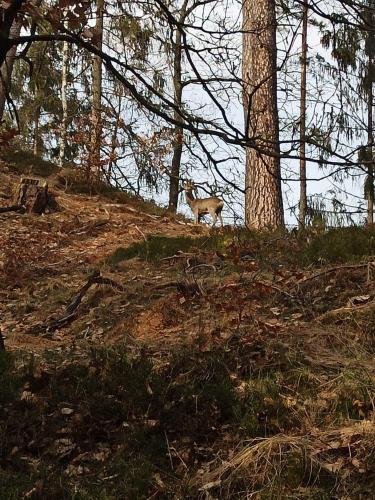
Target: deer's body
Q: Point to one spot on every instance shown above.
(203, 206)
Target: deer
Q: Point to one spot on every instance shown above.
(203, 206)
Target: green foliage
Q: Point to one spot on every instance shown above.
(345, 43)
(349, 244)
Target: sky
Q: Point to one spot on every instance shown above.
(350, 190)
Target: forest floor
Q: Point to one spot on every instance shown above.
(150, 358)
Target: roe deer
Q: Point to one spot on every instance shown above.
(203, 206)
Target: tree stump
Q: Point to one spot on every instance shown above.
(34, 196)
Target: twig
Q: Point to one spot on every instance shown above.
(345, 309)
(169, 450)
(167, 284)
(131, 209)
(178, 255)
(13, 208)
(71, 308)
(274, 287)
(140, 232)
(89, 227)
(332, 270)
(193, 268)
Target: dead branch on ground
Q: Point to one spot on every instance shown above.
(71, 309)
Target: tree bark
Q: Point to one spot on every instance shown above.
(64, 103)
(302, 168)
(36, 140)
(33, 195)
(97, 74)
(370, 42)
(7, 68)
(263, 198)
(178, 131)
(370, 166)
(114, 142)
(8, 15)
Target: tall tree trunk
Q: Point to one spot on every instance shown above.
(370, 159)
(7, 68)
(36, 141)
(8, 15)
(96, 115)
(178, 131)
(302, 166)
(64, 103)
(114, 144)
(263, 198)
(370, 51)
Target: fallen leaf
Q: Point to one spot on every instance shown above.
(66, 411)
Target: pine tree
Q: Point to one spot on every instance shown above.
(303, 186)
(263, 198)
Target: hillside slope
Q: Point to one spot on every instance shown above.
(148, 358)
(44, 259)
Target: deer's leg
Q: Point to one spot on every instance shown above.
(214, 217)
(196, 217)
(221, 219)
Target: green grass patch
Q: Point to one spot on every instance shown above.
(159, 247)
(349, 244)
(26, 163)
(154, 249)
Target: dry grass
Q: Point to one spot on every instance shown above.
(230, 385)
(265, 462)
